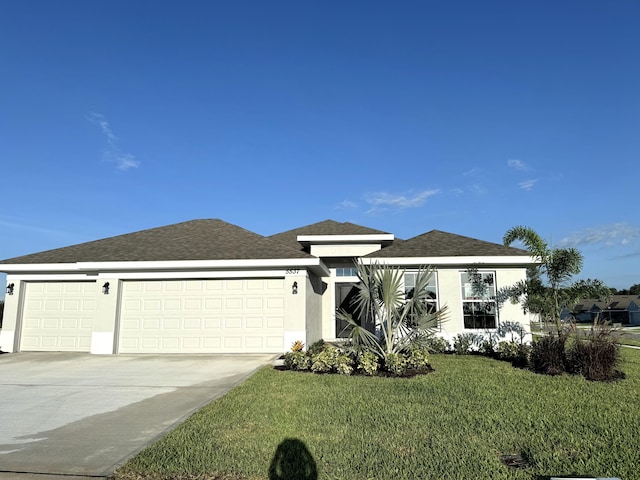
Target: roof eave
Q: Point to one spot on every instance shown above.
(314, 264)
(514, 260)
(381, 238)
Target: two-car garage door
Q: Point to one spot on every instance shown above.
(202, 316)
(160, 316)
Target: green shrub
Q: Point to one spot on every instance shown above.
(368, 363)
(297, 360)
(507, 350)
(325, 361)
(436, 344)
(487, 346)
(462, 343)
(419, 360)
(396, 363)
(344, 364)
(317, 347)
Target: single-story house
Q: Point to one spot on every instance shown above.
(624, 309)
(207, 286)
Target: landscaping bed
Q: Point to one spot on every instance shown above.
(470, 418)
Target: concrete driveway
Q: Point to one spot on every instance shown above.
(81, 414)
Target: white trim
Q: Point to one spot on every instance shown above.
(102, 343)
(57, 277)
(339, 239)
(187, 275)
(315, 264)
(485, 262)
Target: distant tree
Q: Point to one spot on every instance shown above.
(633, 290)
(546, 290)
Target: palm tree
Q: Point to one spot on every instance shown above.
(400, 319)
(557, 264)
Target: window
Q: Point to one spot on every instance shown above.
(478, 299)
(347, 272)
(432, 297)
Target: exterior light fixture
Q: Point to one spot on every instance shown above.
(105, 288)
(294, 288)
(10, 288)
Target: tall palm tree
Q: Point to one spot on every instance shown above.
(557, 264)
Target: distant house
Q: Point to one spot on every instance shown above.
(207, 286)
(624, 309)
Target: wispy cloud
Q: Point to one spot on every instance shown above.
(124, 161)
(517, 164)
(347, 204)
(384, 200)
(474, 172)
(527, 184)
(617, 234)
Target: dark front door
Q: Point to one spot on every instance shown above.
(345, 295)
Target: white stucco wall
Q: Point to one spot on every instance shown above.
(450, 293)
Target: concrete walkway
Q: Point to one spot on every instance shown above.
(70, 414)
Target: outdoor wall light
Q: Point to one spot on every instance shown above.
(105, 288)
(294, 288)
(10, 288)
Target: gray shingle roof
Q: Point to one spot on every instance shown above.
(614, 302)
(211, 239)
(326, 227)
(442, 244)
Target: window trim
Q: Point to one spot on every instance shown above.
(434, 277)
(471, 300)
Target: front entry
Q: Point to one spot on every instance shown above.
(345, 295)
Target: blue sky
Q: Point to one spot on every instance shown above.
(468, 117)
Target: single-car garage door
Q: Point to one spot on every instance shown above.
(202, 316)
(58, 316)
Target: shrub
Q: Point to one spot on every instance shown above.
(596, 357)
(419, 360)
(344, 364)
(297, 346)
(316, 347)
(548, 355)
(487, 346)
(507, 350)
(368, 363)
(436, 344)
(396, 363)
(325, 361)
(515, 352)
(297, 360)
(462, 343)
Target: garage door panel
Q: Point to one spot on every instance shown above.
(254, 322)
(248, 316)
(275, 322)
(58, 316)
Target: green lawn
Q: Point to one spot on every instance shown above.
(451, 424)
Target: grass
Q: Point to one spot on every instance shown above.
(627, 341)
(451, 424)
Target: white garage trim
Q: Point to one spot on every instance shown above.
(202, 316)
(58, 316)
